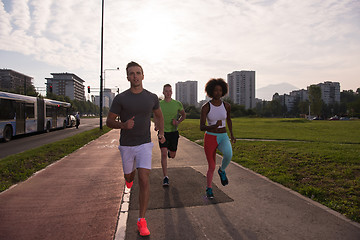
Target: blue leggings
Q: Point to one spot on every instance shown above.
(213, 141)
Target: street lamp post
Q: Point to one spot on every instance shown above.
(101, 67)
(102, 87)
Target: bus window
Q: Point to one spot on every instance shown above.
(29, 110)
(61, 112)
(48, 111)
(7, 109)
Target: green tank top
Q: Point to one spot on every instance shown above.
(170, 111)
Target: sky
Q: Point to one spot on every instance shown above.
(296, 42)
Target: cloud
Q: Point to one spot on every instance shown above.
(5, 24)
(40, 16)
(20, 14)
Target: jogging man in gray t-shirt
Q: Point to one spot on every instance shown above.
(134, 107)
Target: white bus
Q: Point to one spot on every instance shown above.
(21, 114)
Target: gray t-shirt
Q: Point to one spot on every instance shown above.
(128, 104)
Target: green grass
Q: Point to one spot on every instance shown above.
(297, 129)
(319, 159)
(19, 167)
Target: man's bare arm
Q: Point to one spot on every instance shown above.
(160, 123)
(111, 122)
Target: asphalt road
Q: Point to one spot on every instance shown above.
(25, 142)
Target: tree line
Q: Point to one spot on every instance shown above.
(83, 107)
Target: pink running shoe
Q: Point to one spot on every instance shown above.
(129, 184)
(142, 227)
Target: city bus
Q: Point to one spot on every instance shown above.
(20, 114)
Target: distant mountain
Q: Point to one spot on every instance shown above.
(266, 93)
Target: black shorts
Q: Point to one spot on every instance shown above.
(171, 141)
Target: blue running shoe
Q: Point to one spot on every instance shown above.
(209, 193)
(166, 181)
(223, 178)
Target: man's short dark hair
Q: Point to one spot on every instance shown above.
(166, 85)
(133, 64)
(210, 86)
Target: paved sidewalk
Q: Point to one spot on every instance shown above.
(250, 207)
(79, 197)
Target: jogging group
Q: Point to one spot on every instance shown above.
(135, 107)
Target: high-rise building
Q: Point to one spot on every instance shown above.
(330, 92)
(106, 101)
(294, 97)
(66, 84)
(186, 92)
(109, 94)
(286, 100)
(13, 81)
(242, 88)
(301, 94)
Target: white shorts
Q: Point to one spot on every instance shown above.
(136, 157)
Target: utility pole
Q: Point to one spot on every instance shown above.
(101, 68)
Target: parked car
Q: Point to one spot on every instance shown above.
(317, 118)
(71, 121)
(334, 118)
(344, 118)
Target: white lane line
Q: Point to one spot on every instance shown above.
(123, 216)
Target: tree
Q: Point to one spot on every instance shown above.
(350, 103)
(236, 109)
(277, 108)
(303, 107)
(347, 96)
(315, 100)
(84, 107)
(191, 111)
(295, 111)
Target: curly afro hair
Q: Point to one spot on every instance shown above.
(210, 86)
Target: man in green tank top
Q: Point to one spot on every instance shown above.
(171, 110)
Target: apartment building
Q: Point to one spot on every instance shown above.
(186, 92)
(13, 81)
(242, 88)
(106, 101)
(66, 84)
(289, 100)
(330, 92)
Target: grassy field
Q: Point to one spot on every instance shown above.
(319, 159)
(19, 167)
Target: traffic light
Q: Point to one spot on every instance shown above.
(88, 89)
(51, 90)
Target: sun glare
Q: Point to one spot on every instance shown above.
(155, 34)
